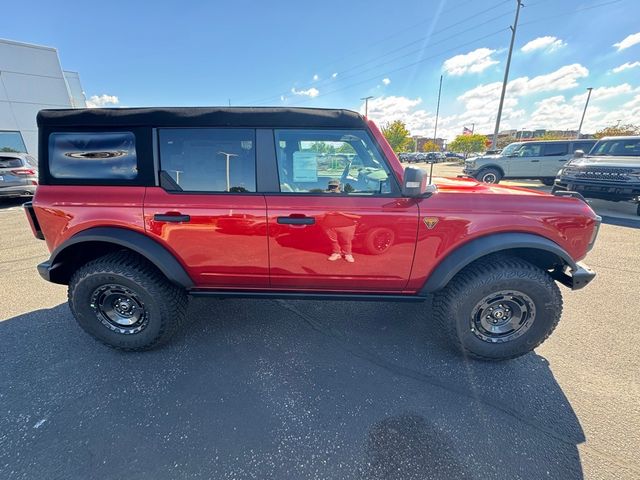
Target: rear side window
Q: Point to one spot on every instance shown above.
(584, 146)
(10, 162)
(212, 160)
(555, 149)
(93, 155)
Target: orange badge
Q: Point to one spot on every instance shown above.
(430, 222)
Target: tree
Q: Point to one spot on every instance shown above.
(468, 144)
(397, 135)
(8, 149)
(618, 131)
(430, 146)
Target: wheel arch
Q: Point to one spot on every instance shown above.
(535, 249)
(98, 241)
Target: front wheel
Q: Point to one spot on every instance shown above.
(548, 181)
(489, 175)
(124, 302)
(498, 308)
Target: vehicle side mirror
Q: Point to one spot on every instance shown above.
(414, 183)
(578, 154)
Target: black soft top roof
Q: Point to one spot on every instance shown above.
(201, 117)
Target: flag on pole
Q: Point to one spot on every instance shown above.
(466, 131)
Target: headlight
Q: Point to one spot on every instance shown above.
(470, 163)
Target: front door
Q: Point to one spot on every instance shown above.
(525, 163)
(207, 211)
(339, 222)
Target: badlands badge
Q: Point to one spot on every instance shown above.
(430, 222)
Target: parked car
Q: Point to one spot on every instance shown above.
(610, 172)
(142, 208)
(454, 156)
(536, 160)
(18, 175)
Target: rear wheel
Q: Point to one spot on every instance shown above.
(489, 175)
(126, 303)
(498, 308)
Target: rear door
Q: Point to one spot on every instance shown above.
(338, 221)
(554, 156)
(206, 209)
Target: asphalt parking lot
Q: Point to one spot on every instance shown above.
(318, 390)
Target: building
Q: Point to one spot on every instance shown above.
(31, 78)
(418, 142)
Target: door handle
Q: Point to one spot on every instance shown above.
(296, 220)
(533, 161)
(168, 217)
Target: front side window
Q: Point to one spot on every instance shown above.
(208, 159)
(93, 155)
(331, 161)
(556, 149)
(529, 150)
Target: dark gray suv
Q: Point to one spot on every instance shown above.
(18, 175)
(611, 171)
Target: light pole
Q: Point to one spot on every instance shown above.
(366, 104)
(435, 130)
(228, 156)
(506, 76)
(584, 111)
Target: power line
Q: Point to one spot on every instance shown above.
(404, 67)
(341, 73)
(559, 14)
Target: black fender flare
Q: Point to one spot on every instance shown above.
(138, 242)
(480, 247)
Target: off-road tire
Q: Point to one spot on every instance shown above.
(548, 181)
(453, 306)
(489, 175)
(164, 304)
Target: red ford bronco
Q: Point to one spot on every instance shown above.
(143, 207)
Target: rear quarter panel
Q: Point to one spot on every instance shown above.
(64, 210)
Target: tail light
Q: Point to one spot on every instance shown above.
(24, 171)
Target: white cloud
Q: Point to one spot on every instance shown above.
(473, 62)
(626, 66)
(311, 92)
(602, 93)
(334, 75)
(104, 100)
(547, 43)
(629, 41)
(388, 109)
(316, 77)
(386, 81)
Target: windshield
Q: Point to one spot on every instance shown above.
(511, 149)
(618, 147)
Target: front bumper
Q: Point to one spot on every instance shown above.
(18, 190)
(576, 278)
(616, 192)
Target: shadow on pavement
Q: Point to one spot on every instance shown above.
(276, 389)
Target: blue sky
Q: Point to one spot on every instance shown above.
(332, 53)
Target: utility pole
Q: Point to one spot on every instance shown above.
(584, 111)
(506, 75)
(366, 104)
(435, 130)
(228, 156)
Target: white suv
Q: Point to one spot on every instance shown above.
(527, 160)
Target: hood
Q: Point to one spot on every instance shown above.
(470, 185)
(480, 157)
(606, 161)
